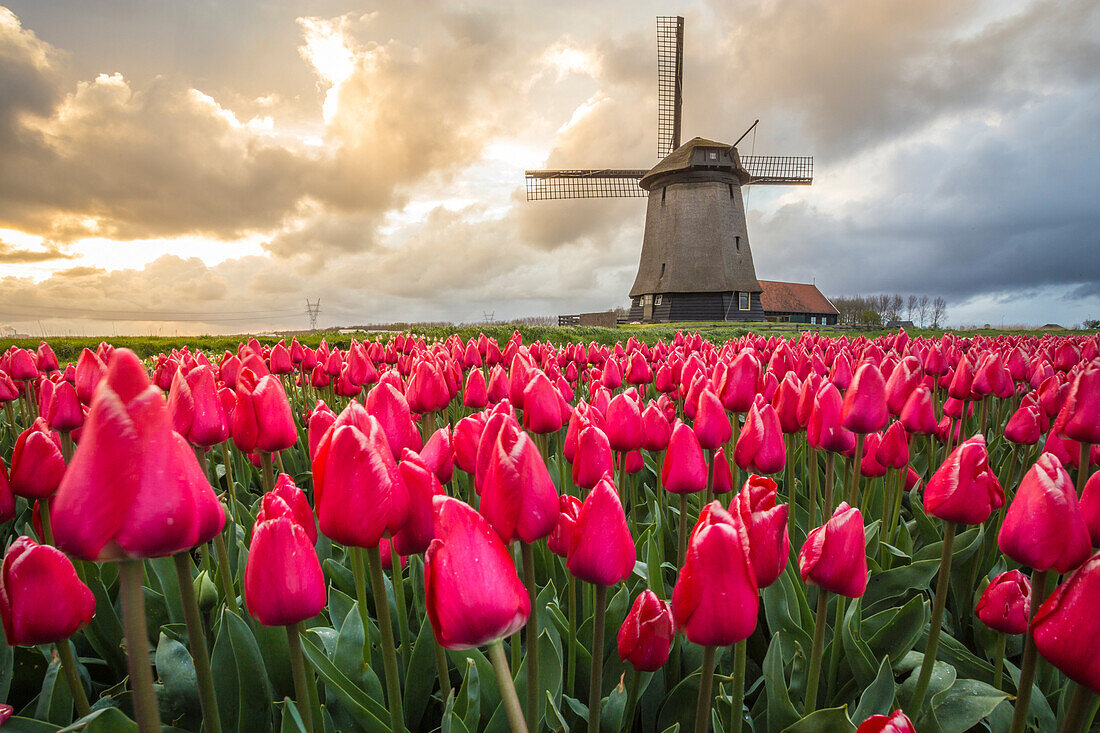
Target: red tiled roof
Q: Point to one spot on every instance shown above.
(794, 298)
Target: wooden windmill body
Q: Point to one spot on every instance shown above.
(696, 263)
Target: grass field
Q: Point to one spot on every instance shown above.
(68, 349)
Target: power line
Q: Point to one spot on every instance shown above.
(313, 310)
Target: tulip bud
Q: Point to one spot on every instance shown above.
(645, 638)
(387, 405)
(1079, 418)
(541, 411)
(712, 425)
(963, 489)
(262, 420)
(283, 582)
(298, 504)
(427, 390)
(37, 465)
(475, 394)
(623, 424)
(320, 420)
(824, 430)
(898, 722)
(438, 454)
(602, 551)
(206, 593)
(657, 428)
(472, 593)
(1043, 527)
(518, 497)
(41, 598)
(786, 401)
(715, 600)
(1025, 425)
(723, 477)
(133, 488)
(1006, 603)
(918, 416)
(358, 492)
(65, 412)
(1090, 507)
(767, 528)
(864, 409)
(835, 554)
(1067, 622)
(684, 470)
(893, 449)
(760, 446)
(561, 538)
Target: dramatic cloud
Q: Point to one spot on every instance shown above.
(275, 153)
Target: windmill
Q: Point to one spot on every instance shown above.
(696, 263)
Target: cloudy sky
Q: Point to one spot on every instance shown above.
(209, 165)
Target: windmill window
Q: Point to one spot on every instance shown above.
(731, 190)
(737, 242)
(743, 301)
(712, 155)
(662, 269)
(663, 194)
(656, 299)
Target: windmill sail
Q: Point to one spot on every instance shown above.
(583, 184)
(779, 170)
(670, 75)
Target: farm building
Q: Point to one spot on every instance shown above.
(796, 303)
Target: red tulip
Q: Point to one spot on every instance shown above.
(560, 540)
(684, 470)
(472, 593)
(21, 365)
(7, 498)
(645, 638)
(46, 359)
(1066, 627)
(387, 405)
(760, 445)
(1025, 425)
(9, 392)
(196, 410)
(1079, 418)
(358, 493)
(964, 489)
(298, 504)
(623, 424)
(602, 550)
(283, 582)
(320, 420)
(518, 497)
(467, 435)
(723, 477)
(1090, 507)
(37, 465)
(1006, 603)
(864, 409)
(738, 390)
(786, 401)
(712, 425)
(279, 362)
(903, 380)
(824, 431)
(89, 370)
(835, 555)
(427, 390)
(541, 410)
(41, 598)
(766, 523)
(962, 382)
(438, 454)
(918, 416)
(898, 722)
(65, 412)
(1043, 527)
(657, 428)
(475, 394)
(893, 449)
(715, 600)
(592, 458)
(134, 488)
(840, 374)
(262, 420)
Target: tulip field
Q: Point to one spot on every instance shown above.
(812, 532)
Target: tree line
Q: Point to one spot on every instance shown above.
(879, 310)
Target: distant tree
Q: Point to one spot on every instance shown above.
(923, 309)
(1091, 324)
(939, 312)
(911, 308)
(870, 317)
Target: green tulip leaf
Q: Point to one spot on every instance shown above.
(894, 632)
(830, 720)
(244, 692)
(420, 677)
(176, 671)
(104, 720)
(468, 701)
(780, 711)
(965, 704)
(55, 701)
(366, 711)
(878, 698)
(292, 718)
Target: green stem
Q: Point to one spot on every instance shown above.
(853, 490)
(44, 515)
(268, 474)
(359, 573)
(1078, 708)
(706, 688)
(936, 623)
(632, 699)
(10, 411)
(226, 573)
(389, 657)
(811, 459)
(131, 576)
(67, 447)
(682, 533)
(827, 499)
(1030, 661)
(441, 671)
(229, 482)
(531, 634)
(298, 671)
(999, 660)
(813, 674)
(737, 690)
(197, 638)
(72, 676)
(834, 649)
(571, 652)
(397, 575)
(595, 687)
(507, 690)
(1083, 468)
